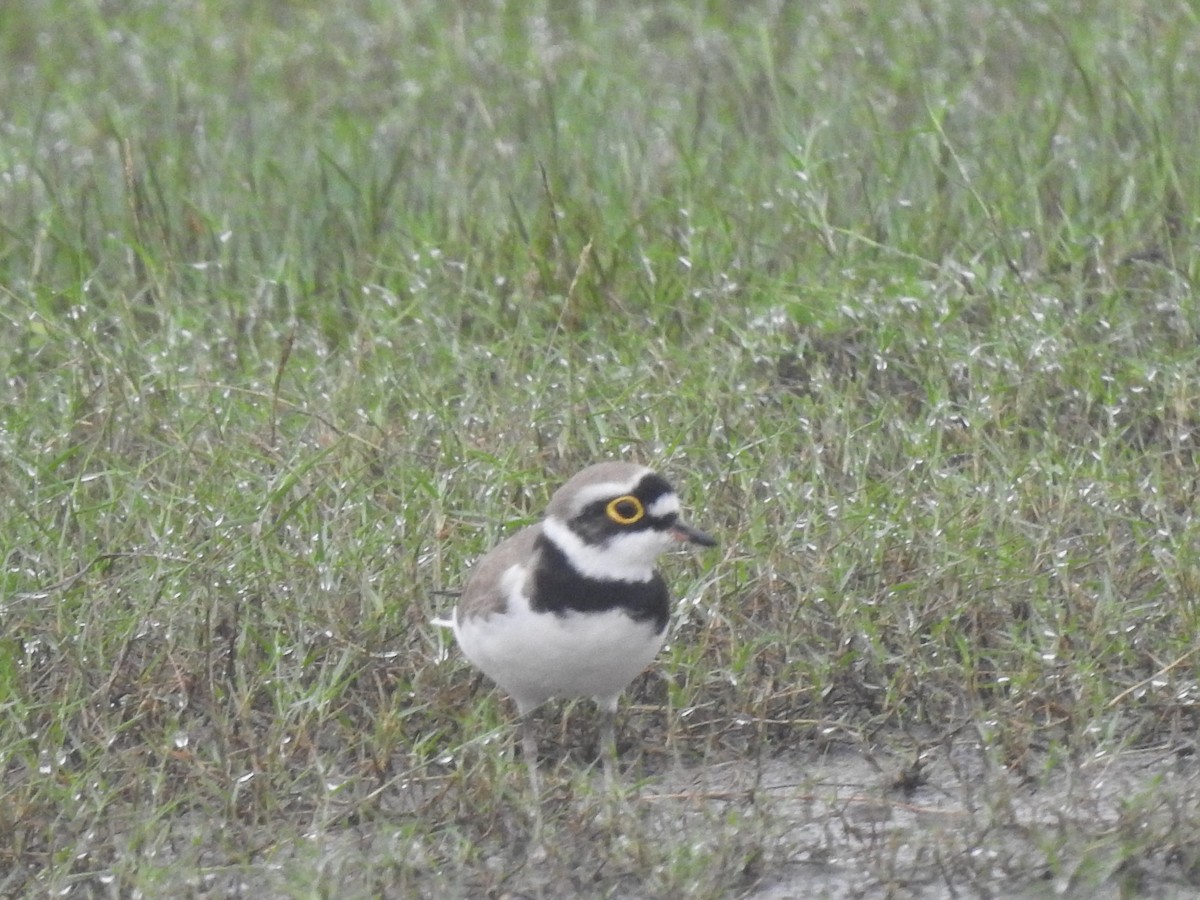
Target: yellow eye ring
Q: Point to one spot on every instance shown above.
(625, 510)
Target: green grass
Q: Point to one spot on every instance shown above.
(302, 308)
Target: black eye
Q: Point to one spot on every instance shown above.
(625, 510)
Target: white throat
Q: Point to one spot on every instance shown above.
(624, 557)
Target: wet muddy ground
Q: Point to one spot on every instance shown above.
(954, 825)
(943, 822)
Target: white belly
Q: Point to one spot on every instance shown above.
(536, 656)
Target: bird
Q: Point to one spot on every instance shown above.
(574, 606)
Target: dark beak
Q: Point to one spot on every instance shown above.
(682, 532)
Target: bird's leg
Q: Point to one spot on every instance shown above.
(608, 741)
(529, 751)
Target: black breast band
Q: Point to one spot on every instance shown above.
(558, 587)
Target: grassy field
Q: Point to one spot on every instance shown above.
(304, 305)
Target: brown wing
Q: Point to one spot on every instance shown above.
(482, 595)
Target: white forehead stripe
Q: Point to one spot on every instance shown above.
(603, 491)
(663, 506)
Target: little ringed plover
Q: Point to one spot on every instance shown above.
(574, 606)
